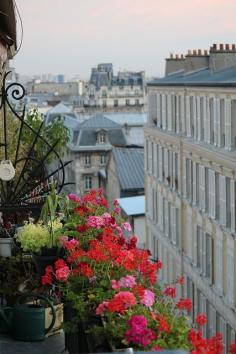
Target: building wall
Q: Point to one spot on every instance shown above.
(190, 179)
(67, 88)
(113, 186)
(139, 230)
(85, 164)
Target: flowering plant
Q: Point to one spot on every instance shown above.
(105, 274)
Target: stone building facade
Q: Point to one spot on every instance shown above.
(106, 90)
(190, 180)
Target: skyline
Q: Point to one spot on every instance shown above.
(127, 33)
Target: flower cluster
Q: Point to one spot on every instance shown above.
(104, 273)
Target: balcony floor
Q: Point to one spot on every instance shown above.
(52, 345)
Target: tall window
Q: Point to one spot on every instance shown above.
(102, 137)
(115, 103)
(207, 189)
(103, 159)
(87, 160)
(228, 203)
(88, 182)
(104, 103)
(217, 194)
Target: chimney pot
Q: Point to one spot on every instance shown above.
(233, 47)
(177, 56)
(227, 47)
(221, 46)
(199, 52)
(214, 47)
(189, 52)
(171, 55)
(194, 52)
(182, 56)
(205, 52)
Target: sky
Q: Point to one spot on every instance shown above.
(71, 36)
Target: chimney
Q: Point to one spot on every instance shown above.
(196, 60)
(222, 58)
(174, 64)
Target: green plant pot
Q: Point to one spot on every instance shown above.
(41, 262)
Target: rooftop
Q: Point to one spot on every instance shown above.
(203, 77)
(130, 167)
(133, 205)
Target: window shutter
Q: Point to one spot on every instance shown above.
(166, 163)
(174, 170)
(146, 155)
(218, 121)
(212, 199)
(183, 113)
(155, 160)
(212, 320)
(204, 111)
(215, 123)
(195, 246)
(160, 162)
(169, 112)
(184, 178)
(173, 211)
(230, 271)
(223, 332)
(163, 105)
(188, 120)
(195, 118)
(189, 235)
(218, 264)
(203, 310)
(152, 110)
(161, 212)
(202, 186)
(158, 109)
(204, 260)
(194, 183)
(233, 194)
(222, 183)
(150, 156)
(177, 110)
(166, 218)
(228, 126)
(208, 121)
(198, 130)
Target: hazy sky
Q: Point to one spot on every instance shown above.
(71, 36)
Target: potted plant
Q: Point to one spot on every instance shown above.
(106, 276)
(6, 239)
(14, 273)
(42, 238)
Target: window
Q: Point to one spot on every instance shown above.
(87, 160)
(206, 189)
(103, 159)
(208, 256)
(137, 102)
(197, 184)
(102, 137)
(217, 194)
(115, 103)
(88, 182)
(104, 103)
(127, 102)
(199, 247)
(228, 203)
(104, 93)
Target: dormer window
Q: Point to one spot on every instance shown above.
(102, 137)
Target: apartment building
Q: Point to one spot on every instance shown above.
(190, 176)
(108, 91)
